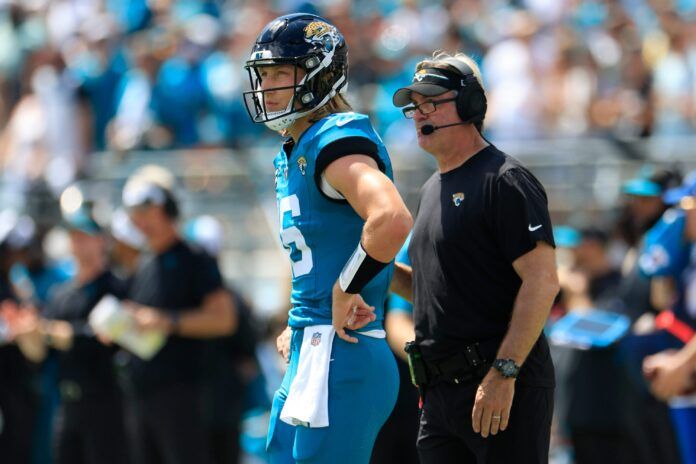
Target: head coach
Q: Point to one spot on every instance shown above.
(483, 280)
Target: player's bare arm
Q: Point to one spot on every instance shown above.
(387, 224)
(402, 282)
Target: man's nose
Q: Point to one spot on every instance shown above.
(418, 116)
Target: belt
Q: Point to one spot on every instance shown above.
(458, 368)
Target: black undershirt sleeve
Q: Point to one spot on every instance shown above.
(344, 147)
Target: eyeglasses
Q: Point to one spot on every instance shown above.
(426, 107)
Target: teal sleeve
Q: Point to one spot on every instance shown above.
(398, 304)
(395, 302)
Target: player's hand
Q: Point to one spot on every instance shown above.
(492, 405)
(670, 375)
(349, 311)
(283, 343)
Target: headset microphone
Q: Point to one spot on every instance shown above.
(428, 129)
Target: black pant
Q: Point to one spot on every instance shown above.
(593, 447)
(166, 426)
(446, 436)
(18, 407)
(224, 443)
(91, 431)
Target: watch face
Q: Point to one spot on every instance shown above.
(506, 367)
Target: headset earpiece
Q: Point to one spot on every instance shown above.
(471, 100)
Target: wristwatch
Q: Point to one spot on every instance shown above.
(507, 368)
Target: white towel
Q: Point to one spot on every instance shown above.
(307, 403)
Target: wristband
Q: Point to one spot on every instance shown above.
(359, 270)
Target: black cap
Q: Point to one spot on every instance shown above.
(429, 82)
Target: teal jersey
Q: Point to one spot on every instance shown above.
(320, 233)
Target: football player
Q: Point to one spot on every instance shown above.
(342, 222)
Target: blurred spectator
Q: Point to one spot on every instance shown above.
(512, 82)
(128, 244)
(177, 290)
(669, 255)
(642, 209)
(36, 277)
(674, 79)
(18, 399)
(674, 373)
(46, 134)
(592, 260)
(89, 426)
(134, 116)
(594, 398)
(621, 69)
(230, 362)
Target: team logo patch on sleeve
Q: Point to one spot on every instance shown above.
(302, 164)
(457, 198)
(316, 339)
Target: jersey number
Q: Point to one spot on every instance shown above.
(292, 234)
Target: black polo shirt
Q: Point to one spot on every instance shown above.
(472, 223)
(175, 281)
(88, 364)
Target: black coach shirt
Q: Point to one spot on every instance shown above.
(472, 223)
(88, 364)
(15, 370)
(174, 281)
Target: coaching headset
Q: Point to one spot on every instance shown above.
(470, 101)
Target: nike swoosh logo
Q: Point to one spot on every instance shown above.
(532, 229)
(342, 122)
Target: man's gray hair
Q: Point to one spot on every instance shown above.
(439, 60)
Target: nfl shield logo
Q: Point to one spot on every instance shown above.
(316, 338)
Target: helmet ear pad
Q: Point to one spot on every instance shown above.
(471, 100)
(324, 83)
